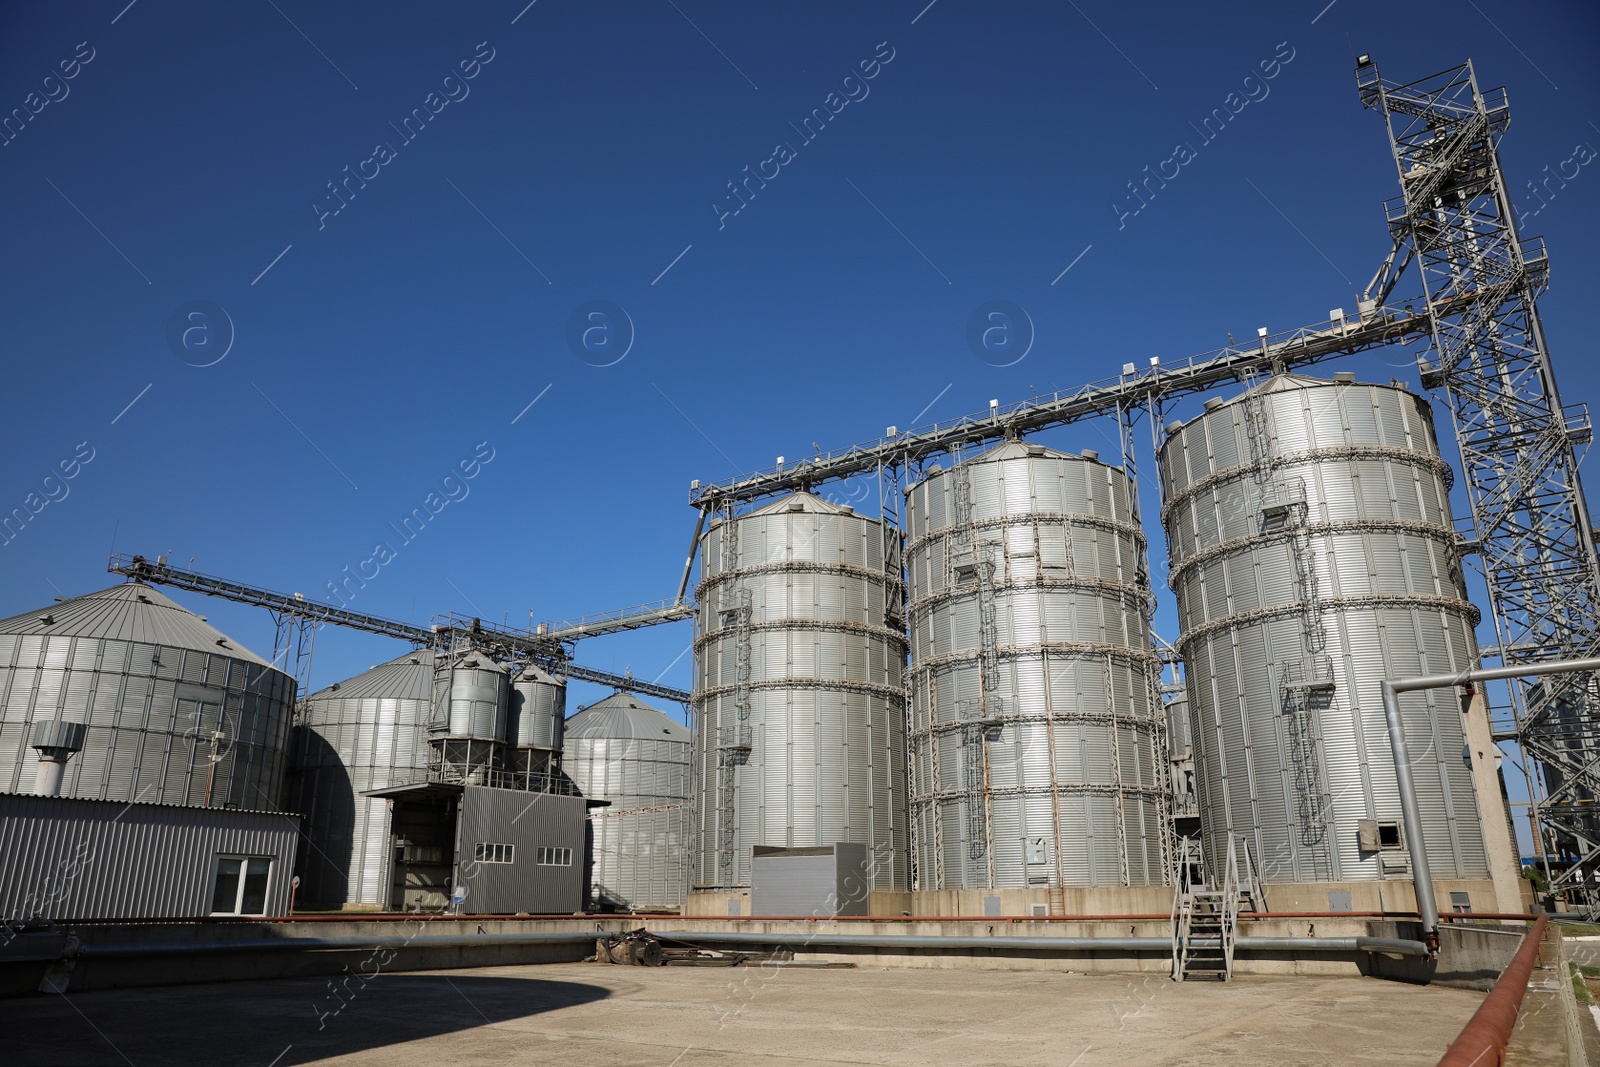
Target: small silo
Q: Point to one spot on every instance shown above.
(799, 689)
(622, 750)
(367, 732)
(538, 710)
(1035, 727)
(1180, 762)
(176, 712)
(471, 707)
(1313, 555)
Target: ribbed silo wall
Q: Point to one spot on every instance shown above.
(166, 725)
(1034, 726)
(1313, 555)
(370, 732)
(641, 860)
(800, 689)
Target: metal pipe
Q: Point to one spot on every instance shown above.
(1161, 945)
(1421, 877)
(688, 563)
(1483, 1040)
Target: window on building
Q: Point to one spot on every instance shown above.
(490, 852)
(241, 885)
(1389, 835)
(554, 857)
(1461, 903)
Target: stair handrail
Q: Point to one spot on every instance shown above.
(1230, 907)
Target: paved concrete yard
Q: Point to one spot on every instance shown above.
(590, 1015)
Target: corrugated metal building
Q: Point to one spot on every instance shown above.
(622, 750)
(510, 850)
(366, 732)
(62, 858)
(177, 712)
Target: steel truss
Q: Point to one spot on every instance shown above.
(1517, 440)
(550, 646)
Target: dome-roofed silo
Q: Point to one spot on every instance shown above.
(1314, 555)
(799, 690)
(366, 732)
(623, 750)
(177, 712)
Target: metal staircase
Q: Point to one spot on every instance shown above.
(1205, 917)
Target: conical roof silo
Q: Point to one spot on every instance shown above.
(176, 711)
(622, 750)
(1313, 555)
(366, 732)
(1035, 721)
(799, 689)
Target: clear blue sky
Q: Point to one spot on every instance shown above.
(189, 159)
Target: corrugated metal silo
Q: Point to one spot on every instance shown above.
(1035, 726)
(1313, 555)
(800, 689)
(622, 750)
(471, 706)
(177, 713)
(538, 709)
(367, 732)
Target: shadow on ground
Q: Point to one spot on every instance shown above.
(272, 1023)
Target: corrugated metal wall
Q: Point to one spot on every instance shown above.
(527, 821)
(62, 858)
(151, 712)
(1034, 733)
(1310, 535)
(344, 746)
(640, 860)
(824, 659)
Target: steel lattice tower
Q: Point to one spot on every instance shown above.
(1517, 440)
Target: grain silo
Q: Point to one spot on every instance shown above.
(534, 742)
(1313, 555)
(799, 689)
(367, 732)
(622, 750)
(177, 712)
(471, 706)
(1035, 726)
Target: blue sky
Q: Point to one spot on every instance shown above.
(189, 159)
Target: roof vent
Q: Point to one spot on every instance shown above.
(797, 504)
(1174, 426)
(1090, 454)
(223, 641)
(144, 599)
(1214, 403)
(47, 620)
(1345, 377)
(1035, 450)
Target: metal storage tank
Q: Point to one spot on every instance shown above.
(799, 689)
(1035, 723)
(1313, 555)
(367, 732)
(177, 712)
(622, 750)
(471, 703)
(538, 709)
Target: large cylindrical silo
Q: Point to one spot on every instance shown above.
(1313, 555)
(1035, 726)
(799, 689)
(176, 711)
(622, 750)
(367, 732)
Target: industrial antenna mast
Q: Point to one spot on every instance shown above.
(1531, 525)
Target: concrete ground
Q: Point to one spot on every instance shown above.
(603, 1016)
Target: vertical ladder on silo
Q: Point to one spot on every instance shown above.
(972, 560)
(733, 742)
